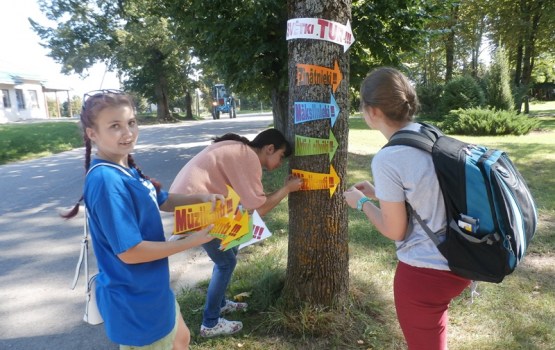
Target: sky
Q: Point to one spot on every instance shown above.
(22, 53)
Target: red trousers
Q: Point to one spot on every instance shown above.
(422, 298)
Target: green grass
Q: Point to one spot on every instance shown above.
(516, 314)
(26, 141)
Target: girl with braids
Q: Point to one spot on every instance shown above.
(235, 161)
(423, 284)
(123, 211)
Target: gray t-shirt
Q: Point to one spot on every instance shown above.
(404, 173)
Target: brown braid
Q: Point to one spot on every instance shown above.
(132, 164)
(88, 147)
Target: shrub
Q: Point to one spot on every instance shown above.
(477, 122)
(429, 95)
(461, 92)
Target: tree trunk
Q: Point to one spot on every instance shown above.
(532, 13)
(450, 44)
(163, 110)
(476, 47)
(188, 105)
(318, 260)
(161, 88)
(518, 76)
(280, 111)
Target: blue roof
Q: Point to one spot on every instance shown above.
(17, 78)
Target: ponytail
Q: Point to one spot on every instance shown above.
(231, 137)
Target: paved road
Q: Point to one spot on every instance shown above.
(39, 250)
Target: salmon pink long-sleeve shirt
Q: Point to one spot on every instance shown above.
(224, 163)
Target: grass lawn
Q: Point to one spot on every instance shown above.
(27, 141)
(516, 314)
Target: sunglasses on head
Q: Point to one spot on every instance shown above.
(99, 93)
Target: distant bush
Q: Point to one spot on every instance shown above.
(429, 96)
(461, 92)
(479, 122)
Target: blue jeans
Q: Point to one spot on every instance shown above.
(224, 264)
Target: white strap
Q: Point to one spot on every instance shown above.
(84, 254)
(119, 167)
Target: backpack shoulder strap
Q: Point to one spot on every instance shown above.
(423, 139)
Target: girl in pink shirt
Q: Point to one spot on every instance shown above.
(235, 161)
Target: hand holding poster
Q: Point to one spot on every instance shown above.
(233, 225)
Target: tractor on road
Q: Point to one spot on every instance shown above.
(222, 102)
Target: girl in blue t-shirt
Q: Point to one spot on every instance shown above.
(123, 210)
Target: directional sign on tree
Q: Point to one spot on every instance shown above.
(318, 181)
(307, 146)
(308, 74)
(310, 111)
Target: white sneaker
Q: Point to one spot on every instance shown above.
(224, 327)
(231, 306)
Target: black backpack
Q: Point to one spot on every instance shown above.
(491, 215)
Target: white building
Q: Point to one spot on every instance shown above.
(24, 96)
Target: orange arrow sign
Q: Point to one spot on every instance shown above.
(308, 74)
(318, 181)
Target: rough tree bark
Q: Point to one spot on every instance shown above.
(318, 261)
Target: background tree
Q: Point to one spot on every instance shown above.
(387, 33)
(75, 109)
(525, 29)
(243, 42)
(498, 83)
(318, 259)
(131, 37)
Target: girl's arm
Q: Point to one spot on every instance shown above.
(178, 199)
(390, 218)
(147, 251)
(292, 184)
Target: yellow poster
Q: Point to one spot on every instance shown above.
(196, 216)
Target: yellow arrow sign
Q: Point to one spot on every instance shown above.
(238, 227)
(318, 181)
(308, 74)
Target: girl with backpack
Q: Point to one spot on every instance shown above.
(423, 284)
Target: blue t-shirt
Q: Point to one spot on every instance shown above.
(135, 300)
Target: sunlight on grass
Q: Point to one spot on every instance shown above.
(516, 314)
(29, 141)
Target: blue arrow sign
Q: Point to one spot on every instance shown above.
(310, 111)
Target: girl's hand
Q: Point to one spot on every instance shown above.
(293, 183)
(352, 196)
(214, 198)
(200, 237)
(366, 188)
